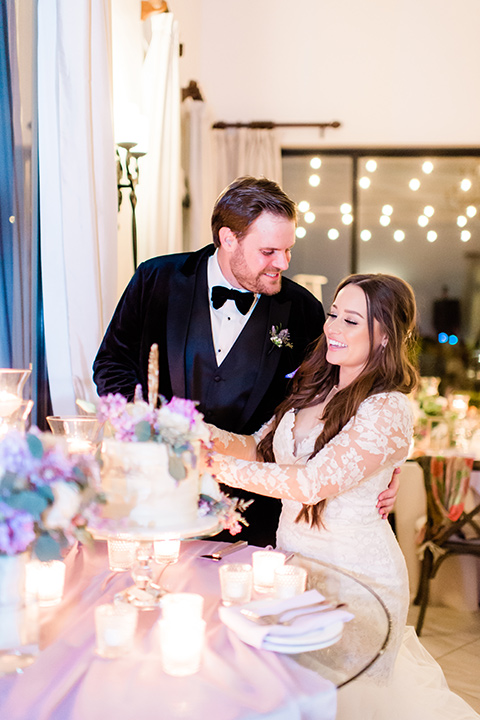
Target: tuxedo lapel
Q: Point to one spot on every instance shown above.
(278, 315)
(180, 304)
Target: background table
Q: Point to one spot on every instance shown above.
(68, 681)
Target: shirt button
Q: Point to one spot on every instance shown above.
(217, 378)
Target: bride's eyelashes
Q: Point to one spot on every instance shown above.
(333, 316)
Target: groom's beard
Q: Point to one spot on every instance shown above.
(266, 282)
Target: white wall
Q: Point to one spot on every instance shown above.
(393, 72)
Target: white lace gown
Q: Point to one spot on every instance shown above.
(351, 471)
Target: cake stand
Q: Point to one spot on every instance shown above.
(147, 592)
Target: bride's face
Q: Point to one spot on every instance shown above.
(346, 332)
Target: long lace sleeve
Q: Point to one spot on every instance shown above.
(379, 434)
(243, 447)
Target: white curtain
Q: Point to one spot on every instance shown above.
(247, 151)
(199, 167)
(78, 202)
(159, 188)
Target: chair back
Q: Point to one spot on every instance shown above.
(447, 480)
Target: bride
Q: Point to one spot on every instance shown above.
(327, 453)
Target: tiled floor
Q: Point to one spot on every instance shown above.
(453, 638)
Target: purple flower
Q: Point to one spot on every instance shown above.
(187, 408)
(16, 530)
(15, 456)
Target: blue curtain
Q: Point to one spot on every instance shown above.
(6, 196)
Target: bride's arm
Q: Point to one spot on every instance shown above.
(243, 447)
(379, 434)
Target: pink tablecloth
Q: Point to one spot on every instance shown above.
(69, 682)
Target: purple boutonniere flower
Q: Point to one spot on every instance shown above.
(280, 337)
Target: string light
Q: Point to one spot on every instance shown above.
(315, 163)
(303, 206)
(300, 232)
(309, 217)
(333, 234)
(314, 180)
(371, 165)
(365, 235)
(427, 167)
(414, 184)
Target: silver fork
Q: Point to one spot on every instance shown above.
(275, 618)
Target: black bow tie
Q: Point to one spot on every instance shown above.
(243, 300)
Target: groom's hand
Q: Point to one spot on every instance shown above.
(386, 499)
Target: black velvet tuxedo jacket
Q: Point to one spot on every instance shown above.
(167, 303)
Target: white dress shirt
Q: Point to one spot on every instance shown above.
(227, 321)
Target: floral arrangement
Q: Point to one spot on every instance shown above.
(45, 494)
(280, 337)
(178, 424)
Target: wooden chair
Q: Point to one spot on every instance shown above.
(449, 530)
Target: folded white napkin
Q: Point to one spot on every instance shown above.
(304, 628)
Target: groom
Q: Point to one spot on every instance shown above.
(229, 328)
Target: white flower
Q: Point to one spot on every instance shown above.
(67, 500)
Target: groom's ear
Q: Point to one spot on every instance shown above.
(227, 239)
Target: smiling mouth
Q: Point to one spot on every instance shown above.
(336, 345)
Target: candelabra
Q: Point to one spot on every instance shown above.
(127, 177)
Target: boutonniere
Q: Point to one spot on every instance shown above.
(279, 337)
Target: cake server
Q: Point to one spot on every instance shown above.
(226, 550)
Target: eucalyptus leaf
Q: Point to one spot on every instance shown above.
(35, 446)
(8, 481)
(84, 537)
(30, 502)
(46, 492)
(176, 468)
(47, 548)
(143, 431)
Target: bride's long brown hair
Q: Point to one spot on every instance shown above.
(391, 302)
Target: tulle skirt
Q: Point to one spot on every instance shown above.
(417, 691)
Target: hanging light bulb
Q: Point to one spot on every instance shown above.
(300, 232)
(427, 167)
(399, 236)
(333, 234)
(314, 180)
(315, 163)
(365, 235)
(303, 206)
(414, 184)
(371, 165)
(431, 236)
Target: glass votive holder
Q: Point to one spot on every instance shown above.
(115, 625)
(265, 562)
(45, 581)
(236, 581)
(166, 551)
(289, 580)
(181, 645)
(121, 554)
(183, 607)
(81, 432)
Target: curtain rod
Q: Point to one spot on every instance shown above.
(268, 125)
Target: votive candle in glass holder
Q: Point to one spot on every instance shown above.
(289, 580)
(115, 626)
(182, 606)
(121, 554)
(265, 562)
(236, 580)
(181, 645)
(45, 581)
(166, 551)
